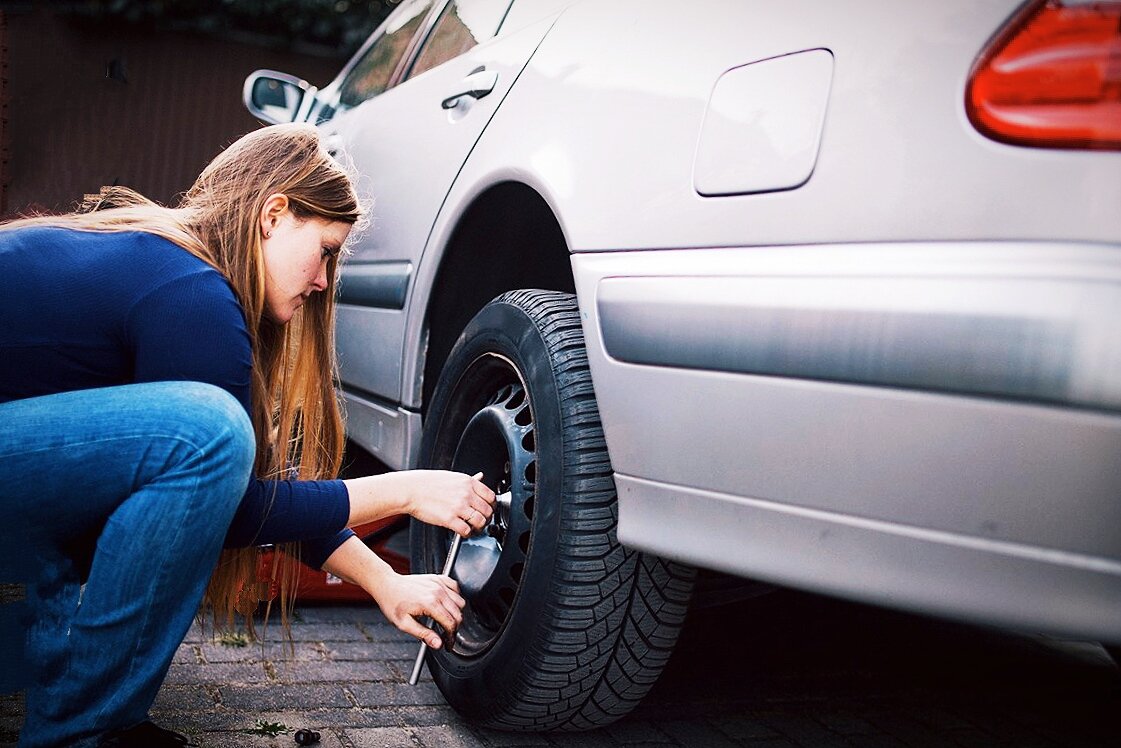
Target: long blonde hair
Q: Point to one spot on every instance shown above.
(295, 412)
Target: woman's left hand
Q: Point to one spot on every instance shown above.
(405, 599)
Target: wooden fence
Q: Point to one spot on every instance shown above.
(85, 104)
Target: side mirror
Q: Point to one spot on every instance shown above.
(276, 97)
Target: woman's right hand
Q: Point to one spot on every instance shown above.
(405, 599)
(462, 503)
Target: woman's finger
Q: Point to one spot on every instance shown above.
(476, 519)
(454, 612)
(450, 599)
(480, 489)
(453, 591)
(480, 506)
(412, 627)
(442, 614)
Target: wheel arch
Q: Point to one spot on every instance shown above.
(507, 238)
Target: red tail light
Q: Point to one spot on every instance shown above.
(1052, 78)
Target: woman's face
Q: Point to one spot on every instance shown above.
(296, 253)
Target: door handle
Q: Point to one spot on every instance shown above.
(477, 84)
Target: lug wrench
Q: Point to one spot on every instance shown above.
(449, 564)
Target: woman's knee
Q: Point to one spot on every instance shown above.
(223, 425)
(213, 427)
(74, 459)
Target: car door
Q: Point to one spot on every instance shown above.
(407, 144)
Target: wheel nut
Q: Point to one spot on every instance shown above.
(306, 737)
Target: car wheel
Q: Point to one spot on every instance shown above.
(564, 628)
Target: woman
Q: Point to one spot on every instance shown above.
(167, 388)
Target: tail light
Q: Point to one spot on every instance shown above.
(1052, 78)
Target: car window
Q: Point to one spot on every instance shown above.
(373, 71)
(462, 25)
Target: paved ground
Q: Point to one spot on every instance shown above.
(786, 670)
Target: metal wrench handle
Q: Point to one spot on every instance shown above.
(449, 562)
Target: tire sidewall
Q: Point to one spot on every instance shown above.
(476, 686)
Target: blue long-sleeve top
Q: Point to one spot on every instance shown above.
(85, 309)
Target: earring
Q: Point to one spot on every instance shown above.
(268, 235)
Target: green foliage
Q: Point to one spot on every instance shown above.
(269, 729)
(336, 27)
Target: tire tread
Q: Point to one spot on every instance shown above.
(613, 615)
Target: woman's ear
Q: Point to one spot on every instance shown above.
(274, 208)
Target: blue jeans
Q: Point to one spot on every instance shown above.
(131, 489)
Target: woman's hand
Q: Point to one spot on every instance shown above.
(406, 599)
(462, 503)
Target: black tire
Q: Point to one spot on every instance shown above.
(564, 629)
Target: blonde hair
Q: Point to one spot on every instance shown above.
(295, 412)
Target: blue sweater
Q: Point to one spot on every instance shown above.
(84, 309)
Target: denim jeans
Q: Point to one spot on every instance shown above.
(131, 489)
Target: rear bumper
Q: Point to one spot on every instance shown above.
(934, 427)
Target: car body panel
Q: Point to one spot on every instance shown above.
(1033, 321)
(762, 125)
(894, 378)
(1012, 467)
(893, 166)
(390, 155)
(998, 505)
(965, 577)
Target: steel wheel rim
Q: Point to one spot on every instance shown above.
(498, 439)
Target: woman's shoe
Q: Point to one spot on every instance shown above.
(145, 735)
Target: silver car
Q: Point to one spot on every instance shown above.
(825, 295)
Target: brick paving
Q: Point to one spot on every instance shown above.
(783, 671)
